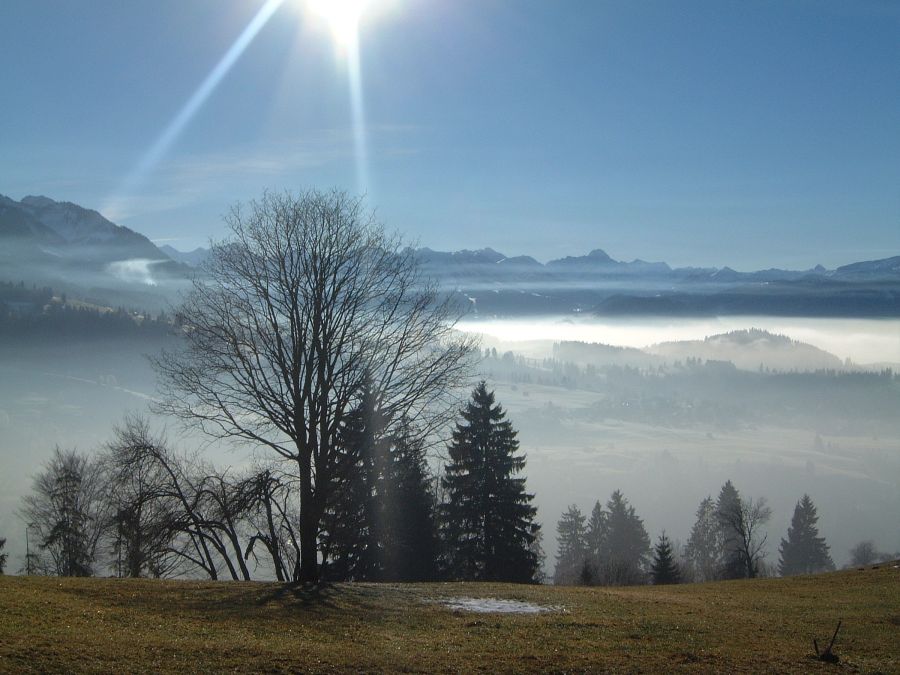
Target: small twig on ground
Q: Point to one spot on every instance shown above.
(828, 655)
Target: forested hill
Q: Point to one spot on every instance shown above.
(30, 314)
(696, 393)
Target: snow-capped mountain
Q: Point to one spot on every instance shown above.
(83, 232)
(42, 239)
(45, 241)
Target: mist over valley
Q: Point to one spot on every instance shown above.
(424, 336)
(664, 408)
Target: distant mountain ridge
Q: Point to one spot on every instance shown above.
(599, 262)
(64, 229)
(193, 258)
(495, 285)
(43, 239)
(61, 244)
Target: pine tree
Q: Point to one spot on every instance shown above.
(595, 536)
(664, 569)
(536, 547)
(572, 547)
(626, 546)
(380, 524)
(489, 519)
(704, 547)
(728, 503)
(352, 541)
(595, 533)
(804, 551)
(2, 556)
(67, 513)
(408, 512)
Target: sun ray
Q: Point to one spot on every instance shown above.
(177, 125)
(357, 108)
(343, 18)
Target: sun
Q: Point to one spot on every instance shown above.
(342, 16)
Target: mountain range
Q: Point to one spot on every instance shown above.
(43, 233)
(46, 241)
(596, 283)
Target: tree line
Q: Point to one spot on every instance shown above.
(611, 547)
(712, 393)
(52, 317)
(311, 340)
(138, 508)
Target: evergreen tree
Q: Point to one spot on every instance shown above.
(572, 551)
(804, 551)
(595, 533)
(68, 513)
(664, 569)
(2, 556)
(537, 548)
(625, 550)
(408, 512)
(729, 503)
(489, 519)
(704, 547)
(588, 574)
(380, 524)
(351, 540)
(595, 536)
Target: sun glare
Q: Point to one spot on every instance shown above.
(342, 16)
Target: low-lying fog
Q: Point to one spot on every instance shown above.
(861, 340)
(667, 434)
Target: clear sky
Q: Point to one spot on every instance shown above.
(749, 134)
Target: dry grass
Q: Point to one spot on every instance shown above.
(112, 625)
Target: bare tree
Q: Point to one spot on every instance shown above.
(289, 319)
(68, 514)
(169, 513)
(271, 513)
(865, 553)
(144, 512)
(744, 520)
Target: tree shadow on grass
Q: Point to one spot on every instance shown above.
(213, 600)
(303, 595)
(227, 600)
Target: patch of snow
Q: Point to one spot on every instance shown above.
(494, 606)
(73, 224)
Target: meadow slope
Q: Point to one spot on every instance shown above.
(117, 625)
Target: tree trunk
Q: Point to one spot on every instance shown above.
(274, 549)
(309, 569)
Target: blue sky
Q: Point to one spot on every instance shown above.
(748, 134)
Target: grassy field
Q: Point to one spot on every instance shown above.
(113, 625)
